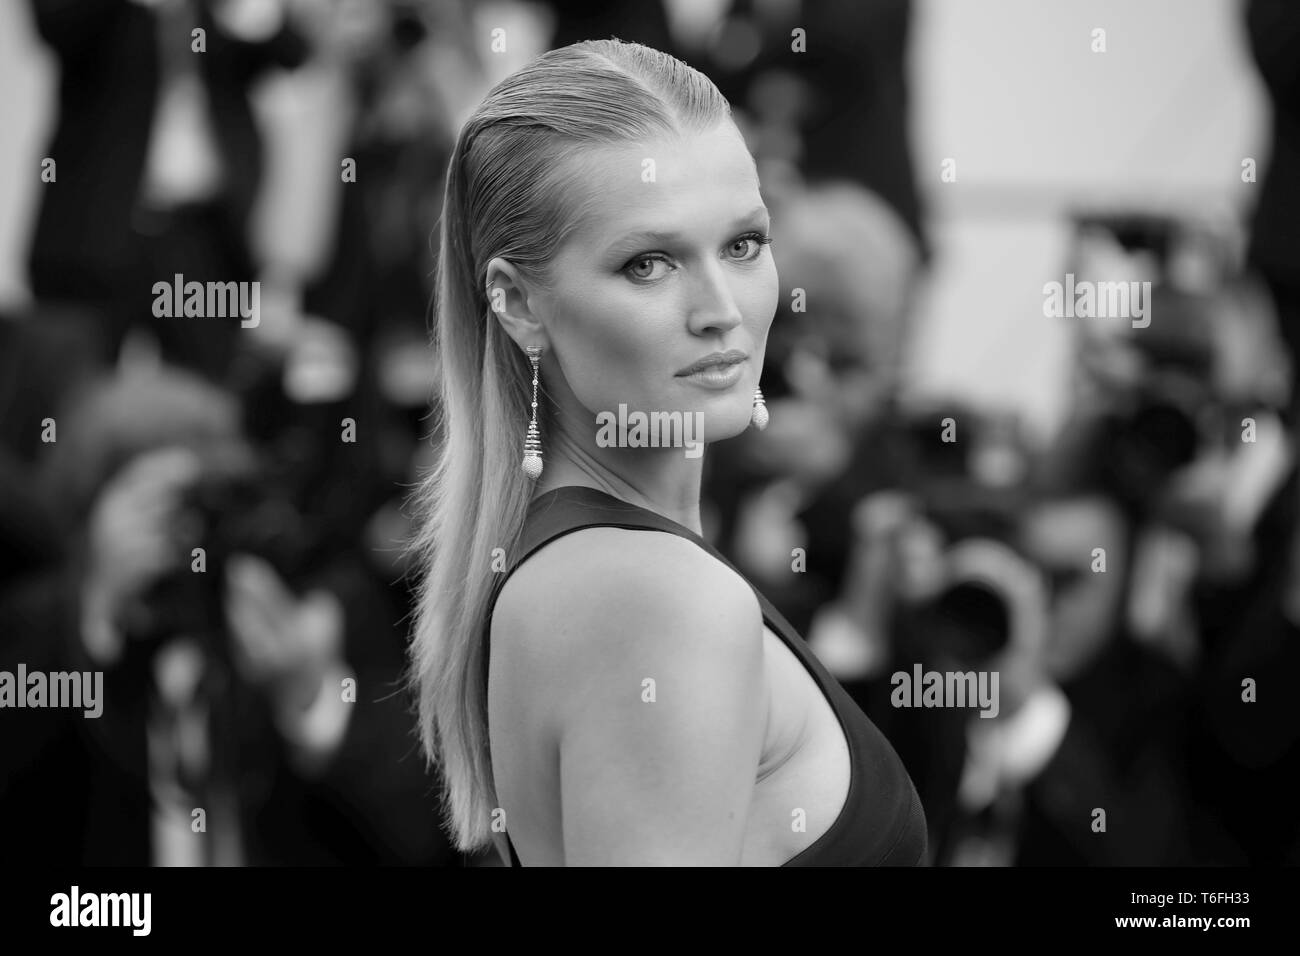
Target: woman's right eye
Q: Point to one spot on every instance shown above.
(631, 269)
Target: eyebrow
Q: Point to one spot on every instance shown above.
(651, 235)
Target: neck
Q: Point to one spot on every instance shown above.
(662, 480)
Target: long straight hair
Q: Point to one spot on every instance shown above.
(512, 191)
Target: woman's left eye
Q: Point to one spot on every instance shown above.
(758, 238)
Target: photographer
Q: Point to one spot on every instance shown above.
(1152, 519)
(930, 587)
(266, 704)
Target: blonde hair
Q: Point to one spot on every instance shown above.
(507, 195)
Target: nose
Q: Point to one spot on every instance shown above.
(714, 308)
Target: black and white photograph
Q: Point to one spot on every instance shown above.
(468, 434)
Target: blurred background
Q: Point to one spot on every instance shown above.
(1103, 512)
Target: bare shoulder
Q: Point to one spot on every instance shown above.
(610, 598)
(648, 653)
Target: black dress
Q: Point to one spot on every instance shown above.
(882, 822)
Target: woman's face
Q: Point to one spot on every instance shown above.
(665, 269)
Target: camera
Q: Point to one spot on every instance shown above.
(235, 506)
(968, 622)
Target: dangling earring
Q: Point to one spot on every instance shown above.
(533, 443)
(758, 417)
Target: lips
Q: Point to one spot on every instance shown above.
(716, 359)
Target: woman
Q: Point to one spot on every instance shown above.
(641, 703)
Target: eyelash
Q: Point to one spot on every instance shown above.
(761, 238)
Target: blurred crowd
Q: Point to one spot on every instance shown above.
(1134, 581)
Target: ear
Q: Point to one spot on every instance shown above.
(513, 302)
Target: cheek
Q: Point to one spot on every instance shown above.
(762, 290)
(610, 341)
(759, 298)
